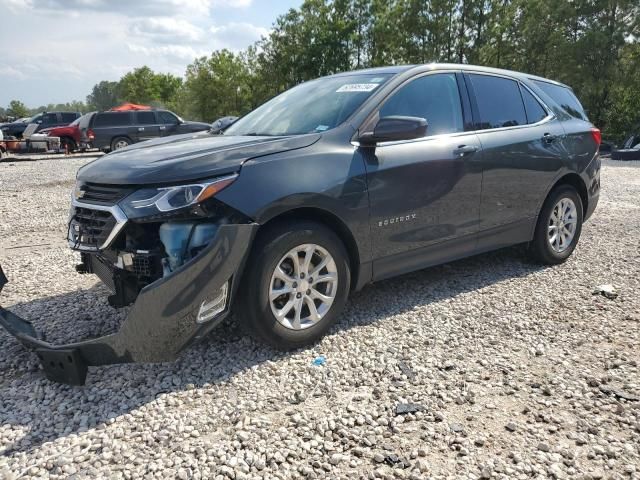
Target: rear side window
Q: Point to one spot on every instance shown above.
(499, 101)
(434, 97)
(146, 118)
(535, 111)
(69, 117)
(116, 119)
(564, 97)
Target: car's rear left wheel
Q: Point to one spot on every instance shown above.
(559, 226)
(120, 142)
(296, 283)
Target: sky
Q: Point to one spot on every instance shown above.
(54, 51)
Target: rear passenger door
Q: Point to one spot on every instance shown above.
(522, 151)
(146, 126)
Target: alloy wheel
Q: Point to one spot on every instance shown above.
(562, 225)
(303, 286)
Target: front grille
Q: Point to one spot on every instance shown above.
(89, 229)
(102, 194)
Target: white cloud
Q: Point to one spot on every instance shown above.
(237, 35)
(175, 52)
(9, 71)
(135, 8)
(167, 30)
(232, 3)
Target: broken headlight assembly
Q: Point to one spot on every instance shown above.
(161, 202)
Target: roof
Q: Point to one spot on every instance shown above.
(442, 66)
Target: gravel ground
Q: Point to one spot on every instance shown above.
(490, 367)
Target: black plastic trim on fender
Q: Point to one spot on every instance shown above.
(161, 323)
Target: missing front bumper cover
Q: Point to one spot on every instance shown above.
(161, 323)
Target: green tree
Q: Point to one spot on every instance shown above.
(143, 85)
(104, 95)
(17, 109)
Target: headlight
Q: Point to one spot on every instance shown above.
(153, 201)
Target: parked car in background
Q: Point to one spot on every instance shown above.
(336, 183)
(44, 120)
(119, 129)
(73, 136)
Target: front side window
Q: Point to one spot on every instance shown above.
(499, 101)
(49, 118)
(168, 118)
(311, 107)
(69, 117)
(432, 97)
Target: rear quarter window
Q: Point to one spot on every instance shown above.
(116, 119)
(564, 97)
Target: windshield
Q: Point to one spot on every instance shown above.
(34, 119)
(311, 107)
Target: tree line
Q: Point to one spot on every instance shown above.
(591, 45)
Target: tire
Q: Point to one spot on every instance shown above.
(120, 142)
(68, 142)
(542, 248)
(255, 307)
(625, 154)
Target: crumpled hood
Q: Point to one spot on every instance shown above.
(184, 158)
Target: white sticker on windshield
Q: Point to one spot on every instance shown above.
(322, 128)
(357, 87)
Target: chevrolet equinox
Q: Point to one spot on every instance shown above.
(335, 183)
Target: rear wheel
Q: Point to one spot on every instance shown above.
(120, 142)
(559, 226)
(68, 144)
(296, 284)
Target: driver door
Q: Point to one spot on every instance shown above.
(425, 193)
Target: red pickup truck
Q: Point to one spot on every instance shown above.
(74, 136)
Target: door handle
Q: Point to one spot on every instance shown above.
(463, 150)
(163, 127)
(141, 129)
(548, 138)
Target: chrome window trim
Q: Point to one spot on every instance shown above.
(550, 114)
(118, 214)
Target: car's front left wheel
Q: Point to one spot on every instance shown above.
(296, 283)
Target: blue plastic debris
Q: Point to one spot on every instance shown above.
(319, 361)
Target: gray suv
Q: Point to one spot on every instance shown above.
(334, 184)
(115, 130)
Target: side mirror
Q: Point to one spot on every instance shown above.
(220, 124)
(394, 128)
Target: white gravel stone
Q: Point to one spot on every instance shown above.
(484, 343)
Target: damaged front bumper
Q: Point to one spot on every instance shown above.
(166, 317)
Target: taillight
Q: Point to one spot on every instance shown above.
(597, 136)
(92, 136)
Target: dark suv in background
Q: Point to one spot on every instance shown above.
(115, 130)
(336, 183)
(44, 120)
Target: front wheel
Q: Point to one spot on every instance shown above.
(559, 226)
(296, 284)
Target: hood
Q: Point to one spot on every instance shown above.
(183, 158)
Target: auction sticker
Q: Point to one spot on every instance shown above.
(357, 87)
